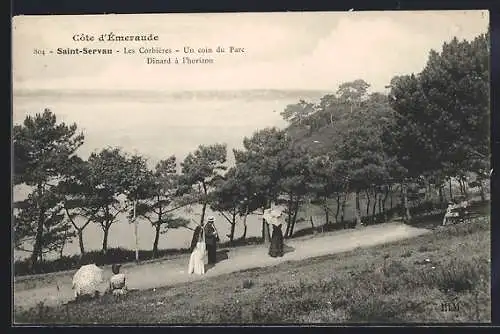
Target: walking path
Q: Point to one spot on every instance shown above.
(168, 272)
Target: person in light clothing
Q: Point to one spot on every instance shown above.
(196, 236)
(117, 282)
(197, 259)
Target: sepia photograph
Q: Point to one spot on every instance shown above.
(251, 168)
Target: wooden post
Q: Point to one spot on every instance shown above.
(136, 234)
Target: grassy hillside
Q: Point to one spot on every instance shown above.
(439, 277)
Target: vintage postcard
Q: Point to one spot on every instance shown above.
(251, 168)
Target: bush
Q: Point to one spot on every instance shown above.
(455, 276)
(247, 284)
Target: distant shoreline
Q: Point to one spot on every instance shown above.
(250, 93)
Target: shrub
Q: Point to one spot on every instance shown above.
(455, 276)
(369, 308)
(247, 284)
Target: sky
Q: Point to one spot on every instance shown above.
(312, 50)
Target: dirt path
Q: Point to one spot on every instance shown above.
(158, 274)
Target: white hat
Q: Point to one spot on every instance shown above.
(211, 219)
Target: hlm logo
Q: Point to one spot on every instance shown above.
(450, 307)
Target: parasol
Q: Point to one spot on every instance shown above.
(87, 279)
(272, 216)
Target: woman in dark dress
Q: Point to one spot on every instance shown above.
(211, 238)
(276, 247)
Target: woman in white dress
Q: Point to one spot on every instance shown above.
(197, 259)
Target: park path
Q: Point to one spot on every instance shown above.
(173, 271)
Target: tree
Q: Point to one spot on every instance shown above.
(229, 198)
(456, 85)
(201, 170)
(109, 180)
(260, 161)
(443, 114)
(353, 93)
(55, 229)
(325, 183)
(407, 138)
(160, 200)
(79, 198)
(296, 113)
(328, 106)
(359, 152)
(43, 150)
(293, 165)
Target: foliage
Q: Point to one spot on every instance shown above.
(158, 199)
(43, 151)
(110, 179)
(201, 171)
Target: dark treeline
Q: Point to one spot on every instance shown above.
(432, 128)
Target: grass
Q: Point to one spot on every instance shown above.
(405, 281)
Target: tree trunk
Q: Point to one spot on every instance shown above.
(427, 193)
(441, 195)
(37, 247)
(265, 230)
(287, 230)
(386, 196)
(294, 219)
(233, 225)
(407, 215)
(289, 218)
(464, 187)
(105, 229)
(61, 250)
(481, 190)
(390, 202)
(203, 211)
(244, 235)
(374, 208)
(380, 207)
(157, 239)
(327, 213)
(368, 201)
(80, 241)
(451, 190)
(432, 192)
(357, 210)
(342, 211)
(338, 209)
